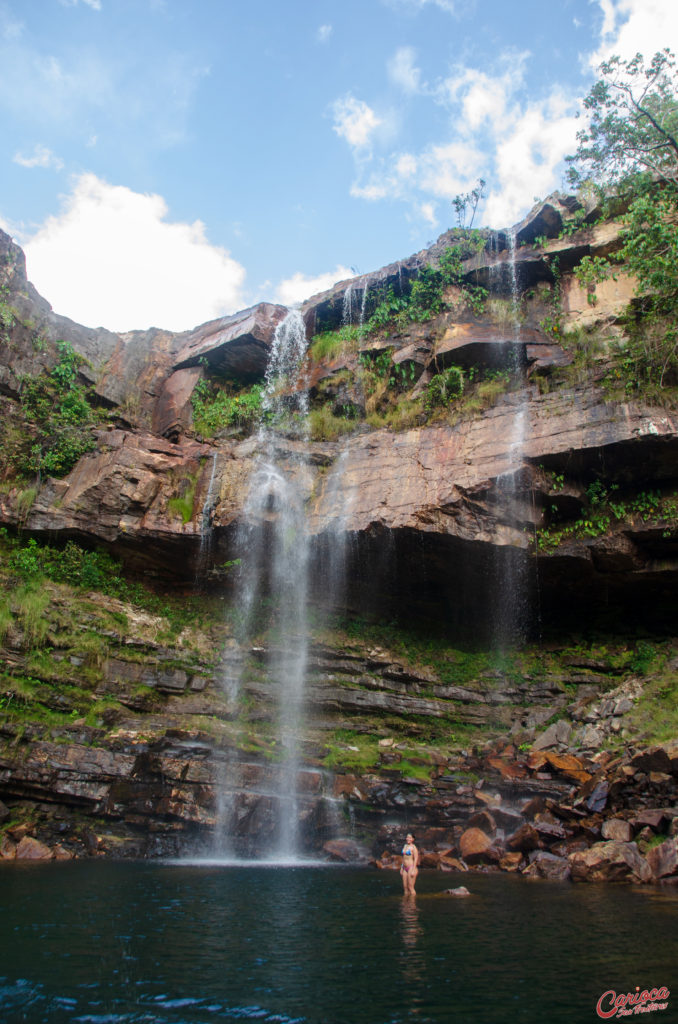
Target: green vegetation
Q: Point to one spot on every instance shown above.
(58, 415)
(324, 425)
(28, 562)
(631, 143)
(330, 344)
(606, 507)
(220, 406)
(182, 504)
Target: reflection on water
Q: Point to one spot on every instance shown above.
(151, 944)
(412, 957)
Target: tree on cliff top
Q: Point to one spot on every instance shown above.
(631, 143)
(633, 123)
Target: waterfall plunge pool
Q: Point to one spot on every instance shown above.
(149, 943)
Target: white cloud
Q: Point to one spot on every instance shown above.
(528, 156)
(427, 213)
(403, 71)
(354, 121)
(40, 157)
(323, 34)
(484, 99)
(299, 286)
(635, 26)
(111, 258)
(94, 4)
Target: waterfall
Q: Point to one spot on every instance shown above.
(206, 531)
(273, 546)
(363, 302)
(347, 309)
(513, 590)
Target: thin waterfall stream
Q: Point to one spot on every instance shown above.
(272, 591)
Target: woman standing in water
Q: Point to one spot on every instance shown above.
(409, 869)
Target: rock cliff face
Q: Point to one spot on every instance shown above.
(486, 522)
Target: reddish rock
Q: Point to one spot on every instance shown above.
(568, 765)
(17, 832)
(618, 829)
(451, 864)
(506, 769)
(655, 818)
(663, 859)
(610, 862)
(474, 844)
(345, 850)
(533, 807)
(484, 821)
(32, 849)
(7, 848)
(524, 840)
(61, 853)
(511, 861)
(429, 859)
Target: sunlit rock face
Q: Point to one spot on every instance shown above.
(428, 521)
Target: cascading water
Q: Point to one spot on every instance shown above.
(206, 531)
(512, 592)
(273, 547)
(347, 308)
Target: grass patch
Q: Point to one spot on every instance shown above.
(330, 345)
(325, 426)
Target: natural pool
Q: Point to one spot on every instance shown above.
(107, 943)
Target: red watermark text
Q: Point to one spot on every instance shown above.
(626, 1004)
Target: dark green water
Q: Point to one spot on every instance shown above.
(107, 943)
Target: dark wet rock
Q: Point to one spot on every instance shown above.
(543, 864)
(524, 840)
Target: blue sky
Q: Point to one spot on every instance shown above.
(167, 161)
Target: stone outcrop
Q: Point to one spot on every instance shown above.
(429, 524)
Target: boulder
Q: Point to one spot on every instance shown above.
(547, 865)
(524, 840)
(234, 346)
(7, 848)
(557, 734)
(474, 844)
(484, 821)
(663, 859)
(617, 829)
(451, 864)
(652, 817)
(345, 850)
(32, 849)
(610, 861)
(461, 890)
(512, 860)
